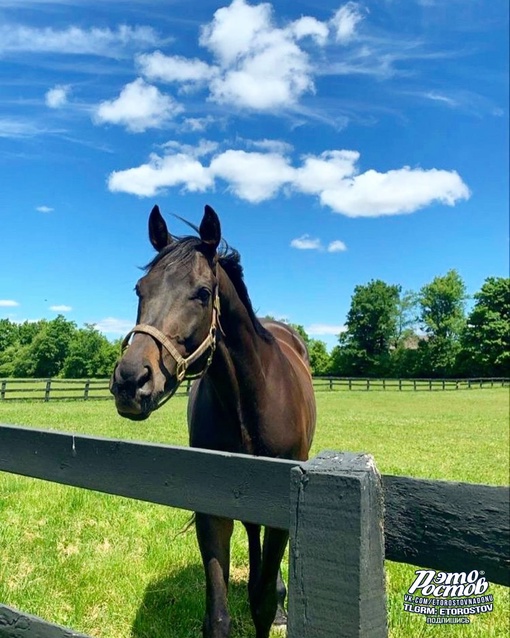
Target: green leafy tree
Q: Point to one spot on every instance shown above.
(442, 317)
(8, 334)
(486, 337)
(371, 329)
(46, 354)
(319, 357)
(90, 355)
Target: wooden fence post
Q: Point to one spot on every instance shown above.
(86, 391)
(336, 572)
(47, 390)
(2, 390)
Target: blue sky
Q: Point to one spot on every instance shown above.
(338, 142)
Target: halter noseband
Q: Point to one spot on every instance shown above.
(183, 363)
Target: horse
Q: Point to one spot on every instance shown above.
(253, 391)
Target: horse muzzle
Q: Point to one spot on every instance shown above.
(135, 391)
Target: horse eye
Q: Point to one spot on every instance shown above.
(203, 295)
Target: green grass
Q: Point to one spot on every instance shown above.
(116, 568)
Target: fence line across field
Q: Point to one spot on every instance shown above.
(344, 518)
(56, 389)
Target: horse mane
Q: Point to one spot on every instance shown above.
(230, 261)
(182, 250)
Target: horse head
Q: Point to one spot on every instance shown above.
(178, 312)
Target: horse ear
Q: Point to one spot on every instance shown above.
(210, 229)
(158, 232)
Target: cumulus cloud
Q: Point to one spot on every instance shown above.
(44, 209)
(305, 242)
(139, 106)
(57, 97)
(256, 64)
(336, 246)
(173, 170)
(269, 172)
(8, 303)
(333, 177)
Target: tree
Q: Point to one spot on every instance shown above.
(319, 357)
(45, 355)
(371, 329)
(90, 355)
(442, 316)
(486, 337)
(8, 334)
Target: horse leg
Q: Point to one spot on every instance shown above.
(213, 534)
(267, 593)
(280, 620)
(255, 553)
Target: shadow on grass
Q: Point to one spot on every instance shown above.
(173, 607)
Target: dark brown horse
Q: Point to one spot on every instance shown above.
(254, 394)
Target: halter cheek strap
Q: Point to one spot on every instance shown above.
(183, 363)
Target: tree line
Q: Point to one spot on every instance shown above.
(389, 333)
(425, 334)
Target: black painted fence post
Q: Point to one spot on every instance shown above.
(336, 572)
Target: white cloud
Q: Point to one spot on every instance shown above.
(44, 209)
(332, 176)
(61, 308)
(197, 124)
(322, 329)
(175, 68)
(307, 26)
(57, 96)
(257, 65)
(139, 106)
(268, 172)
(15, 38)
(8, 303)
(336, 246)
(345, 21)
(262, 66)
(111, 325)
(305, 242)
(160, 173)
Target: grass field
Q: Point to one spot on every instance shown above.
(116, 568)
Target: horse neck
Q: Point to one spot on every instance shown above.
(242, 354)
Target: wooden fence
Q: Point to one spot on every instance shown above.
(87, 389)
(342, 516)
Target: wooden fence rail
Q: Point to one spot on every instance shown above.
(332, 506)
(93, 389)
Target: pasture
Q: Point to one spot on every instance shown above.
(116, 568)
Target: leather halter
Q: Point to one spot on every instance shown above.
(183, 363)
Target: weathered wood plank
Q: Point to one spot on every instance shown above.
(252, 489)
(336, 574)
(17, 624)
(448, 526)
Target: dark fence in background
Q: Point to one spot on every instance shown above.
(344, 518)
(86, 389)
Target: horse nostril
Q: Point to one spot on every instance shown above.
(144, 380)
